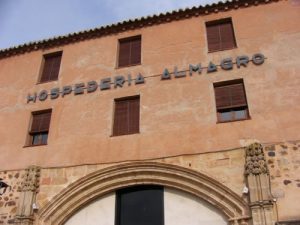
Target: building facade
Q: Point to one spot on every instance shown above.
(189, 117)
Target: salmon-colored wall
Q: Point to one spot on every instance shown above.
(177, 116)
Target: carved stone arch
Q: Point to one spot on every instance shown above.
(104, 181)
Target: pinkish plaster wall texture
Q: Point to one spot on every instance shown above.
(178, 122)
(177, 116)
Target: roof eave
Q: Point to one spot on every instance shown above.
(130, 24)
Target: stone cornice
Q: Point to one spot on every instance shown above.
(131, 25)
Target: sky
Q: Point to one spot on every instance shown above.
(23, 21)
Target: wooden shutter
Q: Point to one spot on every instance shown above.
(129, 51)
(135, 56)
(46, 70)
(222, 97)
(51, 67)
(238, 96)
(230, 96)
(227, 35)
(55, 67)
(40, 122)
(120, 118)
(126, 118)
(134, 115)
(124, 54)
(220, 35)
(213, 38)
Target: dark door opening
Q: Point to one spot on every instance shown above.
(140, 205)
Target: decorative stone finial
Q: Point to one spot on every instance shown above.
(255, 160)
(31, 180)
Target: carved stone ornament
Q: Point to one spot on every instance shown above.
(31, 179)
(255, 160)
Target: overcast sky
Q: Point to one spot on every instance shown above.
(22, 21)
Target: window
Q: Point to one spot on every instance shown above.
(51, 65)
(39, 129)
(220, 35)
(231, 101)
(127, 116)
(129, 51)
(140, 205)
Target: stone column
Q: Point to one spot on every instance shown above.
(257, 175)
(29, 189)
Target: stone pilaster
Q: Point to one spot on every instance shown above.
(257, 174)
(29, 189)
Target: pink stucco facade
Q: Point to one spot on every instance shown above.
(178, 118)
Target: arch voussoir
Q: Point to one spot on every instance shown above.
(101, 182)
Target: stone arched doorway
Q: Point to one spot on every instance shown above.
(105, 181)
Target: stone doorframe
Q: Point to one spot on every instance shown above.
(104, 181)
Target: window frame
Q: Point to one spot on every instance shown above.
(127, 98)
(42, 67)
(231, 109)
(31, 134)
(124, 40)
(219, 22)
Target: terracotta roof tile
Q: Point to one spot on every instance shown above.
(129, 25)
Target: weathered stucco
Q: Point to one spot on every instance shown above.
(178, 122)
(178, 116)
(213, 165)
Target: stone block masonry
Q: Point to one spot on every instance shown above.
(10, 198)
(283, 161)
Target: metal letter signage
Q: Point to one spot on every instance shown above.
(242, 61)
(79, 89)
(165, 75)
(226, 64)
(178, 74)
(105, 83)
(196, 68)
(92, 86)
(54, 93)
(139, 79)
(211, 68)
(118, 81)
(258, 59)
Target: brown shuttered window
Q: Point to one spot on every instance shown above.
(231, 101)
(129, 51)
(220, 35)
(127, 116)
(51, 67)
(38, 134)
